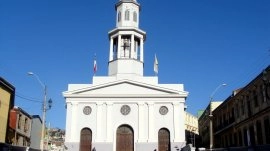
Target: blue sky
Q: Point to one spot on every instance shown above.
(201, 44)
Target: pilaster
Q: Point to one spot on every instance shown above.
(151, 121)
(74, 130)
(179, 122)
(109, 134)
(68, 121)
(142, 122)
(99, 121)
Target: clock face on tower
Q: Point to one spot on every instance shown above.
(125, 109)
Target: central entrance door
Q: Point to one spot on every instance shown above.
(86, 140)
(164, 140)
(125, 138)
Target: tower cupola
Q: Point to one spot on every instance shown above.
(127, 13)
(126, 41)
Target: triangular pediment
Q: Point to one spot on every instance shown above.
(125, 87)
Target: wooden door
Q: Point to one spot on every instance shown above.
(86, 140)
(164, 140)
(125, 139)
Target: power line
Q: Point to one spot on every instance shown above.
(32, 100)
(246, 76)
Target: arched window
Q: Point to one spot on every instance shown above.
(127, 15)
(135, 16)
(86, 139)
(119, 16)
(164, 140)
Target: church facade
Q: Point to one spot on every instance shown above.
(125, 110)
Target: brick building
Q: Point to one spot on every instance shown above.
(20, 124)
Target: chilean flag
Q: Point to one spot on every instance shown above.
(156, 65)
(95, 66)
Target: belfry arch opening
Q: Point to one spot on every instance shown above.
(126, 47)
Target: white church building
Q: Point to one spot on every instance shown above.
(125, 110)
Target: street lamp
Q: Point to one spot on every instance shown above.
(211, 115)
(44, 107)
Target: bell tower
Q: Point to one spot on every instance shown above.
(126, 41)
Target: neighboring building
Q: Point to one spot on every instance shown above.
(56, 139)
(243, 119)
(36, 130)
(191, 127)
(20, 123)
(7, 93)
(125, 110)
(191, 123)
(199, 113)
(204, 124)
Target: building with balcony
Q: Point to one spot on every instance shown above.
(20, 124)
(7, 93)
(243, 119)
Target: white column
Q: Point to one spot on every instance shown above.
(136, 50)
(141, 49)
(119, 46)
(109, 122)
(132, 46)
(99, 122)
(111, 49)
(179, 122)
(151, 121)
(141, 115)
(74, 131)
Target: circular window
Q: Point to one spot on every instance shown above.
(163, 110)
(87, 110)
(125, 109)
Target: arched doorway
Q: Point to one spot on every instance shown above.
(86, 140)
(164, 140)
(124, 138)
